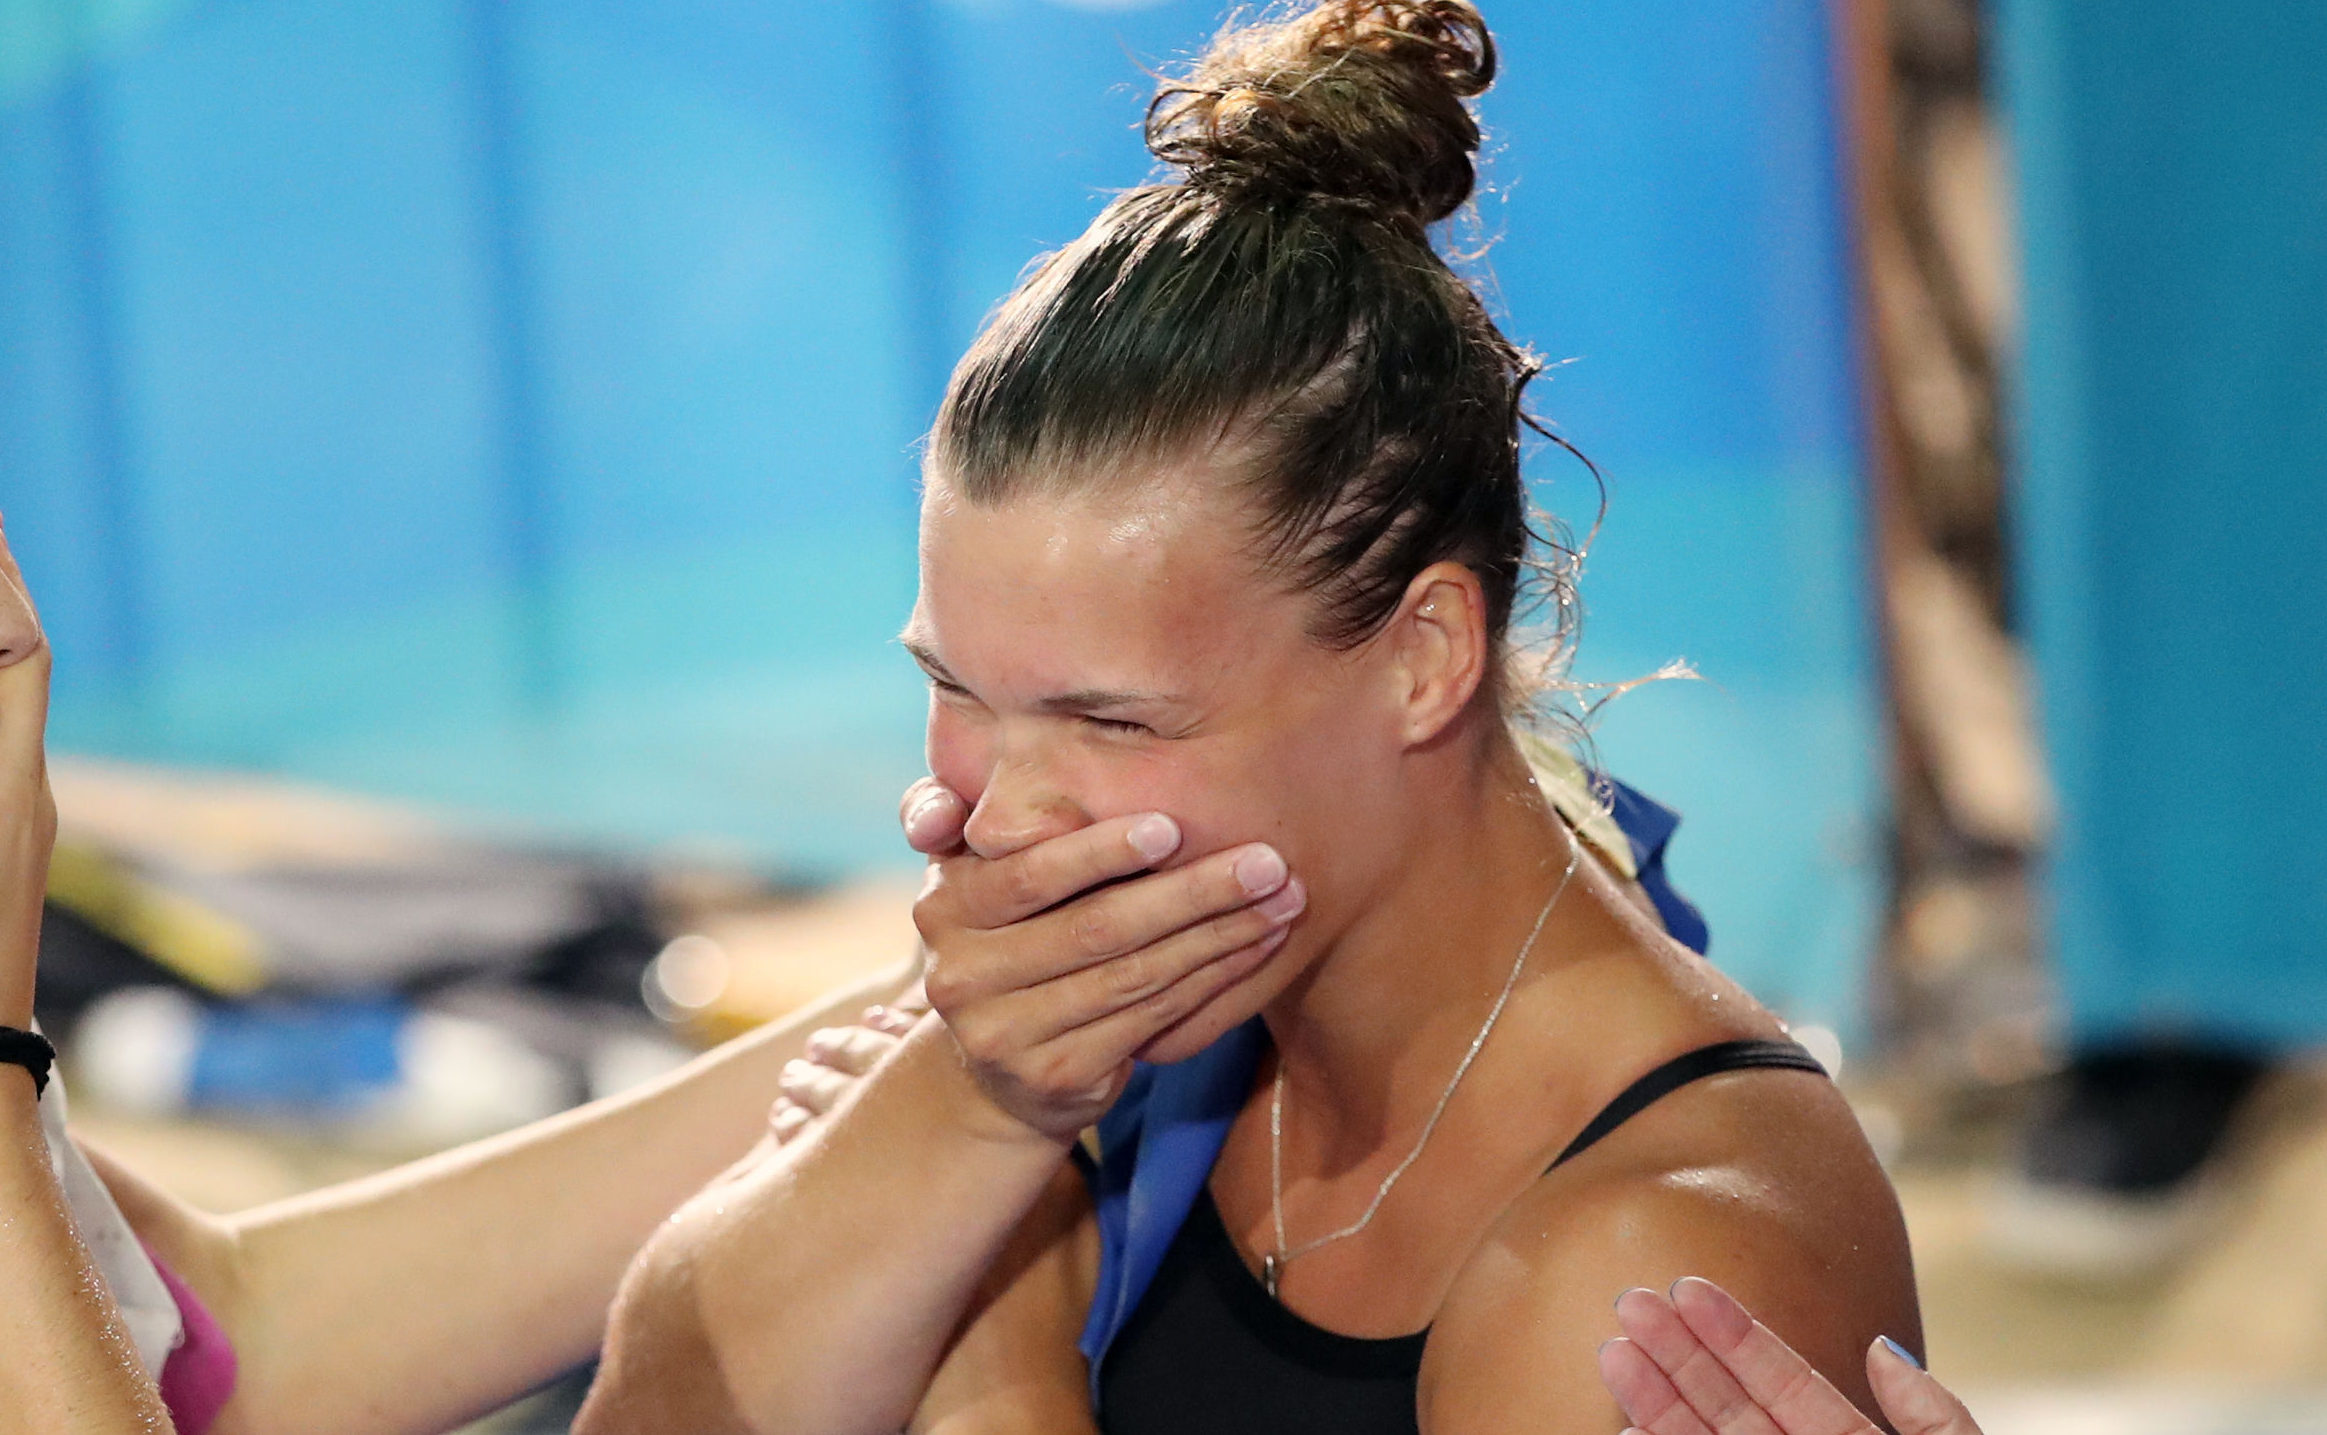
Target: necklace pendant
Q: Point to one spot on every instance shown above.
(1270, 1269)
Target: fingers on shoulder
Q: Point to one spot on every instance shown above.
(1913, 1400)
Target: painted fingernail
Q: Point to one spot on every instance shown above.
(1902, 1352)
(1260, 870)
(1284, 904)
(1154, 836)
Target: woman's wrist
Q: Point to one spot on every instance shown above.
(14, 1079)
(964, 1101)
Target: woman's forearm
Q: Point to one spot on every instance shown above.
(413, 1299)
(66, 1364)
(816, 1289)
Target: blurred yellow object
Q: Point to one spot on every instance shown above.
(213, 951)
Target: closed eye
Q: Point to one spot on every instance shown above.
(1119, 725)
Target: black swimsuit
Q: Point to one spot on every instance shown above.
(1207, 1352)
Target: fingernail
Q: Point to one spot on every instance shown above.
(1155, 836)
(1902, 1352)
(929, 803)
(1619, 1301)
(1260, 870)
(1282, 905)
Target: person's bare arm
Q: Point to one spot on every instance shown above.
(1793, 1214)
(1014, 1365)
(411, 1300)
(66, 1364)
(1014, 1368)
(816, 1287)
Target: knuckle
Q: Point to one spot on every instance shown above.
(1231, 930)
(948, 988)
(979, 1041)
(1022, 882)
(1129, 978)
(1796, 1384)
(1056, 1075)
(1095, 931)
(931, 910)
(1163, 1007)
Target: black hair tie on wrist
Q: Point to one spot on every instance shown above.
(30, 1050)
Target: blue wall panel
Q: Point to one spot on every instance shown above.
(518, 399)
(2172, 409)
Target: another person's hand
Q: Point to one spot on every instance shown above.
(1698, 1363)
(28, 816)
(837, 1059)
(1053, 973)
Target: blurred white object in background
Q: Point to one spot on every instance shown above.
(134, 1050)
(685, 978)
(2138, 1410)
(462, 1079)
(629, 1060)
(378, 1070)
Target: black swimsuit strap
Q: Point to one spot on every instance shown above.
(1680, 1071)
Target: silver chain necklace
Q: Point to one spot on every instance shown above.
(1272, 1266)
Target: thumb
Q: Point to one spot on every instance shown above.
(933, 816)
(20, 635)
(1912, 1399)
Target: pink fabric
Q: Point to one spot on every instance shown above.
(199, 1375)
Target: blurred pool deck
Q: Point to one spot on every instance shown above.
(2232, 1341)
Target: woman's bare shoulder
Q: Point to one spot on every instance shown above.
(1759, 1180)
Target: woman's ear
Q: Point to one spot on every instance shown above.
(1442, 648)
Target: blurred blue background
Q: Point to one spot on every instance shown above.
(512, 406)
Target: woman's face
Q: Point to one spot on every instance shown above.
(1097, 656)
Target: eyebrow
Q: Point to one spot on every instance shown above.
(1079, 700)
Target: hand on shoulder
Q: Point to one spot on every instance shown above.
(1696, 1361)
(1769, 1190)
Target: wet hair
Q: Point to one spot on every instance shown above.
(1276, 297)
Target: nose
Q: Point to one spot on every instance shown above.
(1020, 806)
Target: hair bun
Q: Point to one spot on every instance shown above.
(1358, 102)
